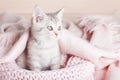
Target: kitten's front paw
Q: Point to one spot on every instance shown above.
(36, 69)
(54, 67)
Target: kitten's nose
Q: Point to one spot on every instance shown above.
(55, 33)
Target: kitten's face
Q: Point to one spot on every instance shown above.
(47, 24)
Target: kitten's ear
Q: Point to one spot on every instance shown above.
(59, 13)
(38, 15)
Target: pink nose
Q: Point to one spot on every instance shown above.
(56, 33)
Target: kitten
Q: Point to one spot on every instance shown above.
(43, 48)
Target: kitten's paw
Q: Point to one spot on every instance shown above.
(54, 67)
(33, 68)
(36, 69)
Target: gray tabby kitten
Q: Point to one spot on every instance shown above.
(43, 48)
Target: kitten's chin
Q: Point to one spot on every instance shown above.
(58, 36)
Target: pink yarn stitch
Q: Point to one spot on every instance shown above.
(77, 69)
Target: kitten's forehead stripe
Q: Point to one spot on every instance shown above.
(53, 18)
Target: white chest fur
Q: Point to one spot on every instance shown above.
(43, 53)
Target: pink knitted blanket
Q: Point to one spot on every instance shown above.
(91, 43)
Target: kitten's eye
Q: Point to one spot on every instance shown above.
(50, 28)
(59, 28)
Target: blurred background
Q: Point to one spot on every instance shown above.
(72, 7)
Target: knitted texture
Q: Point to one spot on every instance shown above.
(76, 69)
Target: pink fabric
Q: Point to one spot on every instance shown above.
(13, 39)
(76, 69)
(113, 72)
(105, 31)
(108, 25)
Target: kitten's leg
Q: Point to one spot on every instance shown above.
(34, 66)
(55, 63)
(55, 66)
